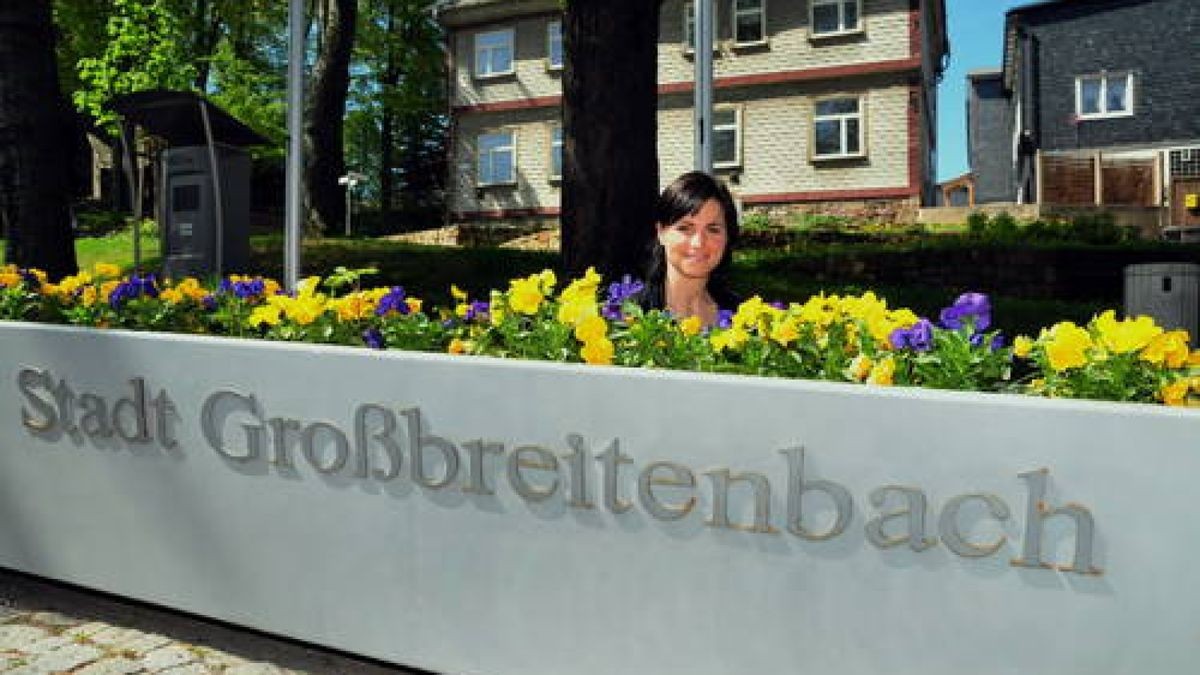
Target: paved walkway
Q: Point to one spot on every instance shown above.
(51, 628)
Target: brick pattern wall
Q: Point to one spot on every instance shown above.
(534, 187)
(776, 119)
(790, 44)
(532, 77)
(776, 135)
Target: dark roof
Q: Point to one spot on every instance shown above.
(175, 116)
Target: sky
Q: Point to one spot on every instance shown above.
(976, 41)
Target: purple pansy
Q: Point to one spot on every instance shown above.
(478, 309)
(618, 293)
(968, 306)
(918, 338)
(373, 338)
(393, 302)
(134, 287)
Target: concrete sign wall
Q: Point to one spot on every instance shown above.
(482, 516)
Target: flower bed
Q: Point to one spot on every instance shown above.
(839, 338)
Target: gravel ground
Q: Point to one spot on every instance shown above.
(47, 627)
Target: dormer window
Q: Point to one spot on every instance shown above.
(494, 53)
(749, 22)
(554, 45)
(835, 17)
(689, 25)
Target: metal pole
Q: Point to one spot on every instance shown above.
(214, 174)
(295, 154)
(349, 187)
(704, 84)
(135, 192)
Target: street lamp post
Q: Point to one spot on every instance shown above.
(350, 180)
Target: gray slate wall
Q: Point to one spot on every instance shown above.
(989, 136)
(1159, 40)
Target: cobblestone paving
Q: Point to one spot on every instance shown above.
(50, 628)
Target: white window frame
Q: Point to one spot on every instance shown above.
(550, 39)
(479, 62)
(842, 28)
(689, 26)
(736, 11)
(861, 116)
(1104, 76)
(737, 137)
(556, 176)
(510, 148)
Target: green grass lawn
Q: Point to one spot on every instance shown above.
(428, 272)
(115, 248)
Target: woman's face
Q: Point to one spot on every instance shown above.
(695, 243)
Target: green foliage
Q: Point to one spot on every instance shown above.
(250, 92)
(756, 221)
(144, 51)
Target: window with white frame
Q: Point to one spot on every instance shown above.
(749, 22)
(1104, 95)
(556, 152)
(497, 158)
(494, 53)
(831, 17)
(689, 25)
(554, 45)
(727, 138)
(838, 128)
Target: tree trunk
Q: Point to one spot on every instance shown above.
(323, 126)
(610, 153)
(38, 142)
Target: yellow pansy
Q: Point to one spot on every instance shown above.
(547, 280)
(88, 297)
(731, 339)
(107, 270)
(268, 314)
(1127, 335)
(496, 308)
(414, 305)
(10, 276)
(1170, 349)
(353, 306)
(691, 325)
(1175, 392)
(171, 296)
(860, 366)
(882, 372)
(785, 332)
(1067, 345)
(525, 295)
(591, 329)
(457, 346)
(191, 289)
(106, 290)
(458, 293)
(1022, 346)
(576, 307)
(598, 352)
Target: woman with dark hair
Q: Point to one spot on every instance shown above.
(696, 225)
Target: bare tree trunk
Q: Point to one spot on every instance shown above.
(38, 142)
(610, 154)
(327, 106)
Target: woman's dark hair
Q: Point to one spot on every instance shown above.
(682, 198)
